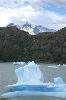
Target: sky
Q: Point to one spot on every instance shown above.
(48, 13)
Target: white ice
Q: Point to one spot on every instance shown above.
(64, 65)
(58, 81)
(29, 74)
(58, 65)
(53, 66)
(19, 63)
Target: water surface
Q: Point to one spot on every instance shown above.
(8, 77)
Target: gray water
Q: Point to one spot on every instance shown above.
(37, 98)
(8, 77)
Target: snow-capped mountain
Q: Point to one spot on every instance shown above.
(40, 29)
(28, 28)
(35, 29)
(32, 29)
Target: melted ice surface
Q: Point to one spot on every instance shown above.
(30, 74)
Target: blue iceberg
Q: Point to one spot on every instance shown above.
(31, 82)
(30, 74)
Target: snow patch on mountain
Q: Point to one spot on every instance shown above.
(32, 29)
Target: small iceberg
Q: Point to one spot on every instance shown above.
(61, 65)
(58, 81)
(31, 82)
(19, 63)
(58, 65)
(53, 66)
(64, 65)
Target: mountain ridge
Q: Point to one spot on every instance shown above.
(32, 29)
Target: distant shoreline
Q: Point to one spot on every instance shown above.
(34, 61)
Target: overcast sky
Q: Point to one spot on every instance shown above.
(48, 13)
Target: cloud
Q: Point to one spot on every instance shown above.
(19, 3)
(19, 11)
(56, 20)
(50, 19)
(43, 17)
(56, 2)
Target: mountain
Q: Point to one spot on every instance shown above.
(18, 45)
(28, 28)
(40, 29)
(12, 24)
(32, 29)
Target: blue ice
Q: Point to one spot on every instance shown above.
(31, 82)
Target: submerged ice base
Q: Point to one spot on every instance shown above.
(31, 82)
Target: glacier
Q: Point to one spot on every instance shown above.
(31, 82)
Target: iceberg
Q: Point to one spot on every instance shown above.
(64, 65)
(31, 82)
(53, 66)
(19, 63)
(58, 65)
(58, 81)
(29, 74)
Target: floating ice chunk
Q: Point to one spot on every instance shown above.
(59, 85)
(15, 63)
(29, 74)
(64, 64)
(58, 81)
(59, 65)
(19, 63)
(53, 66)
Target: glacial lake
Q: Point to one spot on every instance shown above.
(8, 77)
